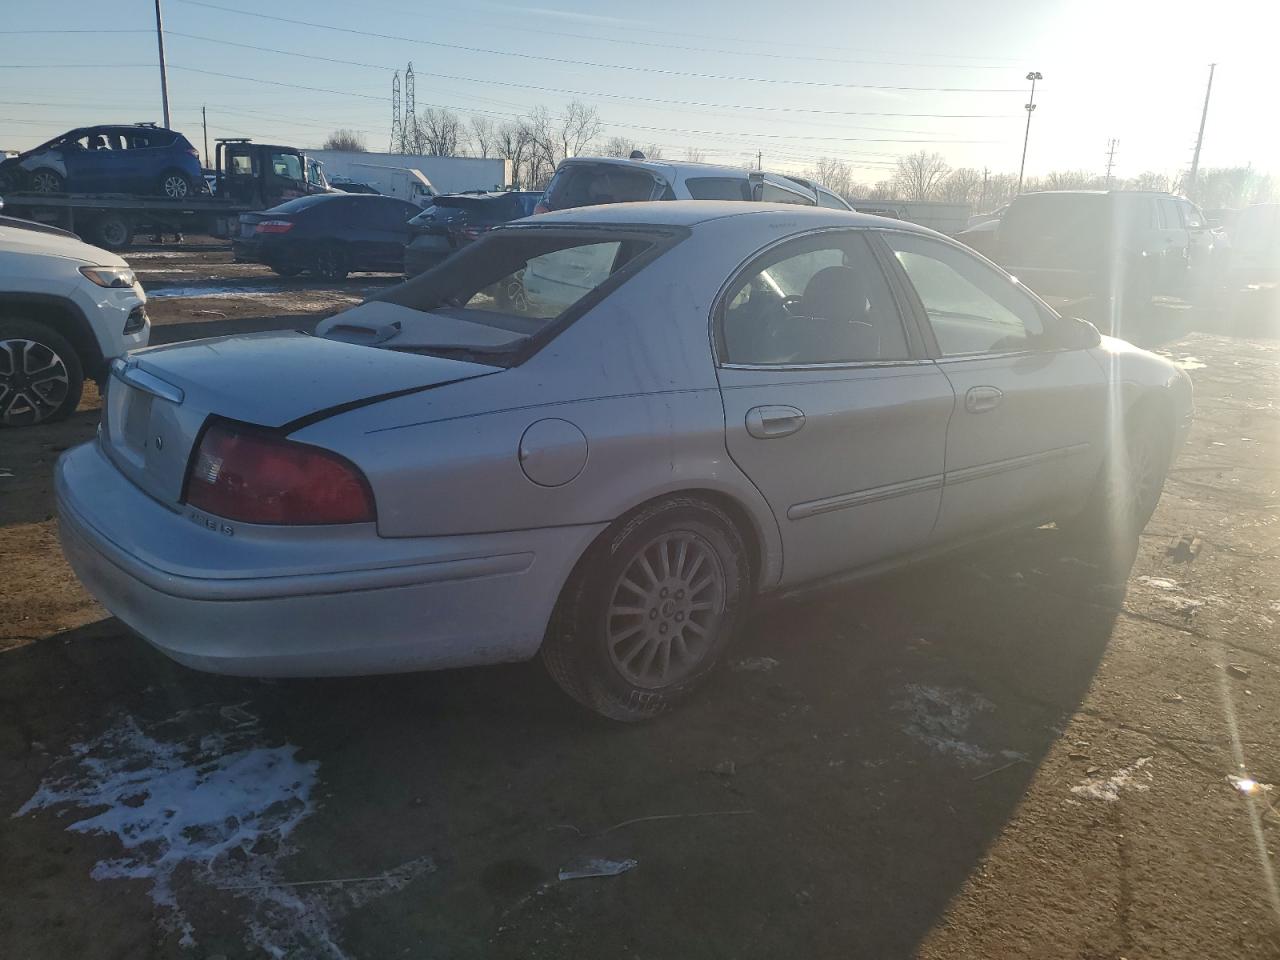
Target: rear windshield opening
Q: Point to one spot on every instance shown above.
(587, 184)
(521, 282)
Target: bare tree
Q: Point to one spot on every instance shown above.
(1069, 180)
(919, 175)
(695, 155)
(482, 135)
(345, 139)
(511, 142)
(962, 185)
(835, 175)
(625, 147)
(439, 133)
(577, 128)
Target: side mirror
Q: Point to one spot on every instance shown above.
(1077, 334)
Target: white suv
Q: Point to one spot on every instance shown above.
(584, 181)
(67, 309)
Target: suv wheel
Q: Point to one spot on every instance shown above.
(175, 185)
(45, 180)
(40, 374)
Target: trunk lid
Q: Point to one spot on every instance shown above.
(159, 399)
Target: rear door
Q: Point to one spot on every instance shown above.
(1174, 249)
(388, 225)
(1029, 424)
(831, 408)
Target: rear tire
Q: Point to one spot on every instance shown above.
(45, 180)
(113, 232)
(331, 263)
(40, 374)
(1129, 486)
(175, 185)
(649, 609)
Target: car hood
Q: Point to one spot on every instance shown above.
(24, 240)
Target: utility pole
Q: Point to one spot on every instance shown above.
(1033, 76)
(1112, 144)
(164, 76)
(759, 159)
(982, 203)
(1204, 115)
(204, 122)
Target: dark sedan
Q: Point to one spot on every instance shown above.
(454, 220)
(328, 234)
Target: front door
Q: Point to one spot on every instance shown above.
(831, 407)
(1029, 427)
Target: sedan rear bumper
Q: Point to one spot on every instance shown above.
(427, 603)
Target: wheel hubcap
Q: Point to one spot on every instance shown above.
(33, 382)
(44, 183)
(665, 610)
(175, 187)
(114, 233)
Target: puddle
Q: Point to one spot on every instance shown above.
(1132, 777)
(219, 810)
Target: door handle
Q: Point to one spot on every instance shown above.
(766, 423)
(982, 399)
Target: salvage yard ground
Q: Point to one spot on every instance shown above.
(1022, 753)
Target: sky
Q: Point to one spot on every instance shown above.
(863, 82)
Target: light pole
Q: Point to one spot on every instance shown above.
(1033, 76)
(164, 76)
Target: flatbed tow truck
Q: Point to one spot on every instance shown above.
(247, 177)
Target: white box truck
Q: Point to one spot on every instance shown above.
(444, 174)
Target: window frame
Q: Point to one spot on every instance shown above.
(917, 346)
(1049, 317)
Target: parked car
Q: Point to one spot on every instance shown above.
(1255, 246)
(739, 399)
(456, 219)
(66, 310)
(353, 186)
(586, 181)
(137, 158)
(1105, 254)
(328, 234)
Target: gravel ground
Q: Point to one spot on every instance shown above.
(1020, 753)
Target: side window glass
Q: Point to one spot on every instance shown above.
(830, 200)
(719, 188)
(286, 165)
(820, 299)
(1192, 216)
(971, 307)
(772, 193)
(1170, 217)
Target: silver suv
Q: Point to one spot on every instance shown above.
(66, 310)
(586, 181)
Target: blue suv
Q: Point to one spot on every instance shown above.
(138, 158)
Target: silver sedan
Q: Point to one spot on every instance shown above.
(596, 436)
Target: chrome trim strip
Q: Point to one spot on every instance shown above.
(813, 508)
(837, 365)
(983, 470)
(146, 382)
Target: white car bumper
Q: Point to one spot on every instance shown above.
(319, 601)
(108, 310)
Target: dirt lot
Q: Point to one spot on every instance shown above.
(1021, 753)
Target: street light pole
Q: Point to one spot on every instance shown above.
(164, 76)
(1033, 76)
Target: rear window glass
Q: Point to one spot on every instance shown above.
(584, 184)
(719, 188)
(518, 282)
(302, 203)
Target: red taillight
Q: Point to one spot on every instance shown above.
(541, 208)
(274, 226)
(242, 473)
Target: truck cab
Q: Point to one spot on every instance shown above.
(262, 175)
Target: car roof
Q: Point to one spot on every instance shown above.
(687, 213)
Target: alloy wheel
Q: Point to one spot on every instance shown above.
(33, 382)
(665, 610)
(175, 186)
(44, 181)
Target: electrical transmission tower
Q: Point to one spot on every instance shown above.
(1112, 144)
(397, 128)
(410, 111)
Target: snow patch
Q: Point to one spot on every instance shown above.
(1131, 777)
(939, 717)
(216, 808)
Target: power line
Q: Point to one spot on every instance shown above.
(592, 93)
(663, 71)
